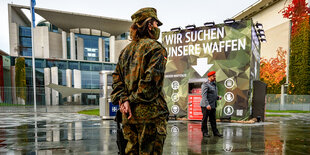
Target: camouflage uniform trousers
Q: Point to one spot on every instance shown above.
(145, 139)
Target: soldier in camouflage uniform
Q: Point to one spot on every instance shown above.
(137, 86)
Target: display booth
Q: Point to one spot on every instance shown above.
(232, 50)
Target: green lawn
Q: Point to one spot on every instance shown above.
(277, 115)
(7, 104)
(287, 111)
(90, 112)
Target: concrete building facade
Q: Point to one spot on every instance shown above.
(277, 29)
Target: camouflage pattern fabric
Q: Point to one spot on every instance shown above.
(138, 78)
(145, 138)
(144, 13)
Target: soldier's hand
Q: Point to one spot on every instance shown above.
(209, 107)
(121, 107)
(127, 109)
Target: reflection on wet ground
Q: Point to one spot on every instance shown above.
(71, 133)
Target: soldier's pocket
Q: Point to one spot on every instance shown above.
(162, 128)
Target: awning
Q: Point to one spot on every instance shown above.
(69, 91)
(70, 20)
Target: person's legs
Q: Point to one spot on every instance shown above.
(160, 138)
(204, 123)
(131, 135)
(212, 120)
(213, 123)
(151, 138)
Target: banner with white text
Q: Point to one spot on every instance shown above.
(224, 48)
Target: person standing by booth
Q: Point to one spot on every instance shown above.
(208, 103)
(137, 86)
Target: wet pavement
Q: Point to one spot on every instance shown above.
(72, 133)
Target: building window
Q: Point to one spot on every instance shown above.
(73, 65)
(25, 47)
(62, 65)
(85, 66)
(51, 63)
(108, 67)
(40, 63)
(24, 31)
(68, 48)
(62, 77)
(25, 41)
(90, 79)
(91, 47)
(28, 63)
(97, 67)
(107, 49)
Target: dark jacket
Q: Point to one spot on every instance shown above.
(209, 94)
(138, 78)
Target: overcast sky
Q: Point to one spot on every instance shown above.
(173, 13)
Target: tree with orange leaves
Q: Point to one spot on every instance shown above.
(299, 67)
(273, 71)
(297, 12)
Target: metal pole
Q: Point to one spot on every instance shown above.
(33, 61)
(105, 95)
(288, 54)
(282, 101)
(36, 133)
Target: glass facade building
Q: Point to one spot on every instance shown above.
(90, 67)
(90, 78)
(82, 49)
(90, 42)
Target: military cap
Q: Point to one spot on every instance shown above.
(145, 13)
(211, 73)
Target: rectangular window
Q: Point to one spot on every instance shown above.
(108, 67)
(91, 49)
(24, 31)
(28, 63)
(51, 63)
(85, 66)
(62, 65)
(25, 42)
(90, 79)
(73, 65)
(68, 48)
(96, 67)
(62, 77)
(40, 64)
(26, 51)
(107, 49)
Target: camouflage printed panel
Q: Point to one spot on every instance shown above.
(224, 48)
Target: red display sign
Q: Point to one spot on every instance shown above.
(194, 109)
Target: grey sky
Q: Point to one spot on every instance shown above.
(173, 13)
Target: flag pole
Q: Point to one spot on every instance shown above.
(32, 4)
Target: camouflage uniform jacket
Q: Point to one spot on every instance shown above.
(138, 78)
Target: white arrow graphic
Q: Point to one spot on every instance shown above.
(202, 66)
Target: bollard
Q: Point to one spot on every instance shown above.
(282, 102)
(104, 106)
